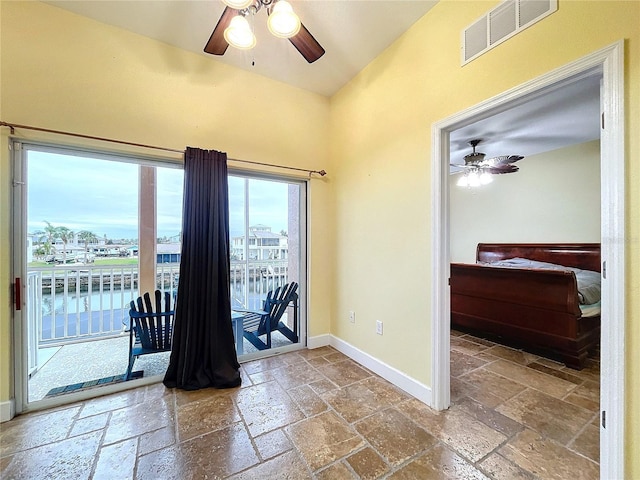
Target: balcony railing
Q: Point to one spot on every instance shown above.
(75, 303)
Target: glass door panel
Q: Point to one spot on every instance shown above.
(266, 250)
(170, 184)
(81, 268)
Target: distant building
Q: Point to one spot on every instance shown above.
(168, 252)
(263, 245)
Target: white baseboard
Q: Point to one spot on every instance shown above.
(319, 341)
(7, 410)
(389, 373)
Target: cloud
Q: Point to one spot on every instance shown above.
(101, 196)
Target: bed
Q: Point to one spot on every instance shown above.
(535, 308)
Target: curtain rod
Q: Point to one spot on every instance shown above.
(13, 126)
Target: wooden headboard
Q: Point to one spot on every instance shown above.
(585, 256)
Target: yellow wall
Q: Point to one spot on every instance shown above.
(65, 72)
(370, 219)
(381, 143)
(555, 197)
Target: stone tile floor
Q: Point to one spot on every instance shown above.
(316, 414)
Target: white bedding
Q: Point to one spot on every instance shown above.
(592, 310)
(588, 282)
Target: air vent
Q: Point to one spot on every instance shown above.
(501, 23)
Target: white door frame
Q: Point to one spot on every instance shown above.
(610, 62)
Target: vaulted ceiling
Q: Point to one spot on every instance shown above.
(353, 33)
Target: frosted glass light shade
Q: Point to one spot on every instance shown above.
(282, 21)
(239, 35)
(237, 4)
(463, 181)
(474, 179)
(485, 178)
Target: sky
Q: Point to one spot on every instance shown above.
(101, 196)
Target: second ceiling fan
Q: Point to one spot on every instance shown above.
(233, 28)
(478, 169)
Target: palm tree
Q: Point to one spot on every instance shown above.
(42, 247)
(87, 237)
(65, 234)
(52, 233)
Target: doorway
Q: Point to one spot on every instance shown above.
(609, 61)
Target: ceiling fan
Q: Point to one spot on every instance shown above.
(233, 28)
(478, 170)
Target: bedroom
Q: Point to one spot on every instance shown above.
(553, 199)
(549, 145)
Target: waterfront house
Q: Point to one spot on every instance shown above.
(263, 245)
(168, 253)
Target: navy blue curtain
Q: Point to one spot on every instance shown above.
(203, 352)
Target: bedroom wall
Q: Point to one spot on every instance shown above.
(381, 145)
(555, 197)
(66, 72)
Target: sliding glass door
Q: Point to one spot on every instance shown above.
(92, 231)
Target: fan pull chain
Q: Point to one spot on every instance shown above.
(253, 29)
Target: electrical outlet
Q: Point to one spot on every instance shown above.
(378, 327)
(352, 316)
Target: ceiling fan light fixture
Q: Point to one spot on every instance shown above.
(238, 4)
(283, 22)
(474, 179)
(463, 181)
(239, 35)
(485, 178)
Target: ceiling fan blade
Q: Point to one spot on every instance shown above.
(507, 168)
(503, 160)
(217, 45)
(307, 45)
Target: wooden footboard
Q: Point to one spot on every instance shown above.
(534, 309)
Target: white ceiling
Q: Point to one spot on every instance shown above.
(564, 115)
(353, 33)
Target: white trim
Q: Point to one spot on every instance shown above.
(319, 341)
(440, 304)
(7, 410)
(612, 348)
(389, 373)
(19, 256)
(610, 62)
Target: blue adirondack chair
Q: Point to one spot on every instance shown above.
(258, 323)
(150, 326)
